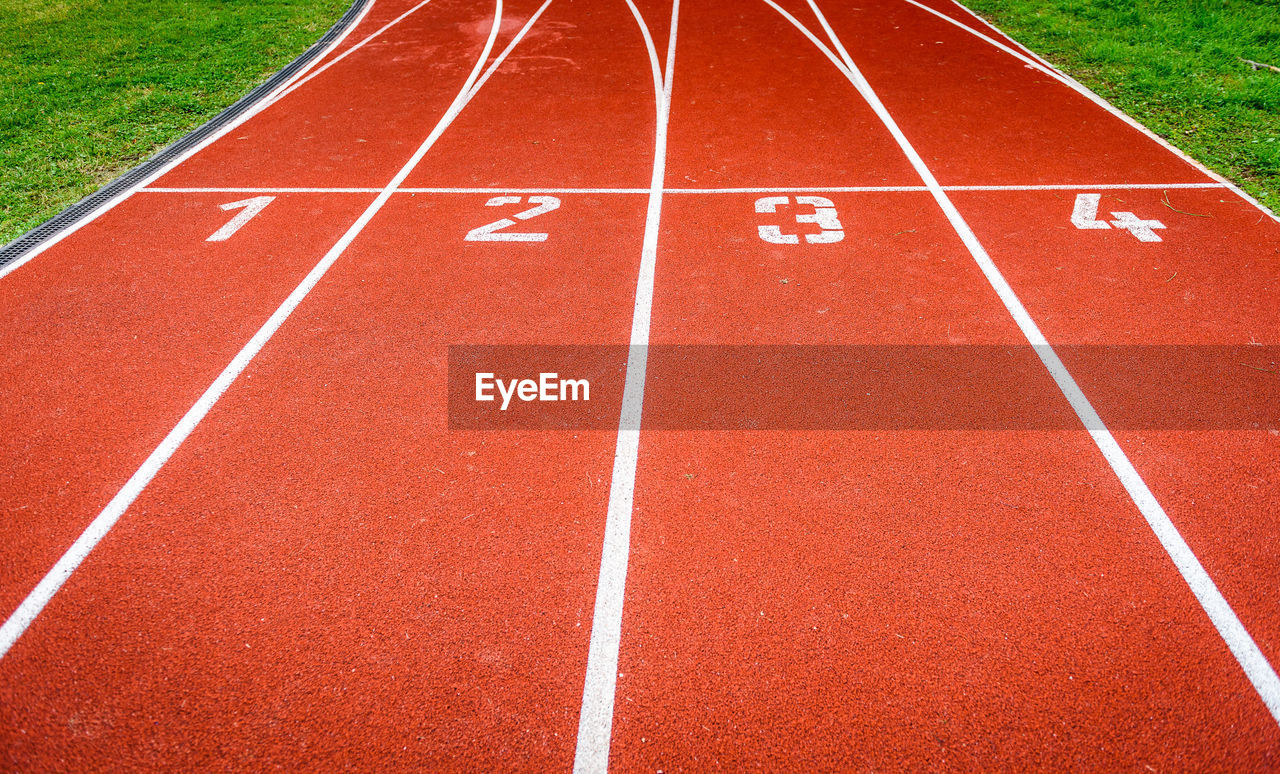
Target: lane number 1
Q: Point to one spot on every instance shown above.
(251, 207)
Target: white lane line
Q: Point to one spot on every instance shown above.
(1019, 45)
(1075, 187)
(39, 597)
(1044, 66)
(994, 29)
(815, 189)
(528, 190)
(920, 188)
(125, 194)
(405, 190)
(1233, 632)
(519, 36)
(1036, 62)
(792, 189)
(827, 52)
(595, 720)
(261, 190)
(298, 84)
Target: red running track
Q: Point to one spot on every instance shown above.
(308, 567)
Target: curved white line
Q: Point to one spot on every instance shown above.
(595, 719)
(784, 189)
(1043, 65)
(998, 31)
(1036, 63)
(296, 84)
(35, 602)
(1246, 652)
(659, 91)
(125, 194)
(812, 38)
(501, 57)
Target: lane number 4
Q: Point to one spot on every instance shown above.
(249, 210)
(823, 215)
(493, 232)
(1085, 216)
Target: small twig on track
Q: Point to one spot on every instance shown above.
(1260, 65)
(1165, 201)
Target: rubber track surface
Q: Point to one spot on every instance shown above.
(325, 573)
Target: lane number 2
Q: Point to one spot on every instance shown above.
(823, 215)
(249, 209)
(493, 232)
(1085, 216)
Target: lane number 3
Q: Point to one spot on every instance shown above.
(823, 215)
(493, 232)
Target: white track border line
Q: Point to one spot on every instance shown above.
(792, 189)
(402, 190)
(1021, 47)
(1242, 646)
(264, 189)
(297, 84)
(164, 170)
(920, 188)
(39, 597)
(1039, 63)
(1074, 187)
(595, 720)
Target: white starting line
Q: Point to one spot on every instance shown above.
(647, 191)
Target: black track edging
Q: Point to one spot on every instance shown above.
(86, 206)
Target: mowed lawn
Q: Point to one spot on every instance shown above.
(1177, 66)
(89, 88)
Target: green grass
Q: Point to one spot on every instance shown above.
(1174, 65)
(89, 88)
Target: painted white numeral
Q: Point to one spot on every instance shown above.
(1086, 212)
(823, 215)
(492, 232)
(1085, 216)
(1137, 226)
(251, 208)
